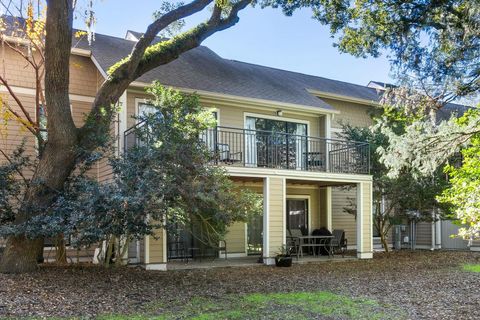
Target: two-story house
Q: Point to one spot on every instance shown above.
(276, 134)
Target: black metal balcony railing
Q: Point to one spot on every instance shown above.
(276, 150)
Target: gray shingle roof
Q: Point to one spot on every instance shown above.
(202, 69)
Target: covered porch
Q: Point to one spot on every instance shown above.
(299, 202)
(305, 201)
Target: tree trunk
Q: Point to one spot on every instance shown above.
(57, 160)
(20, 255)
(383, 239)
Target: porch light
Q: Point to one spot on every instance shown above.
(279, 113)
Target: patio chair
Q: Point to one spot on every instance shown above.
(222, 246)
(293, 241)
(339, 242)
(226, 156)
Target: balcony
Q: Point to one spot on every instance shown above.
(277, 150)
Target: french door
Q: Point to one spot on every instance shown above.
(275, 143)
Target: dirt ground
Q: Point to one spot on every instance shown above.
(426, 285)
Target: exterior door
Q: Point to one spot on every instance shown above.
(255, 235)
(297, 215)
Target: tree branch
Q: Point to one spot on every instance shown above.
(153, 29)
(164, 52)
(32, 127)
(153, 56)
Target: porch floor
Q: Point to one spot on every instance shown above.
(249, 261)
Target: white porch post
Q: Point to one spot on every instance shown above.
(328, 135)
(438, 232)
(266, 202)
(328, 204)
(364, 220)
(274, 222)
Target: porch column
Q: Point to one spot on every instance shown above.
(274, 224)
(156, 251)
(364, 220)
(328, 136)
(328, 204)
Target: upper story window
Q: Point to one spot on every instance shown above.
(215, 115)
(145, 109)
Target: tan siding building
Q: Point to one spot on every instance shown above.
(304, 177)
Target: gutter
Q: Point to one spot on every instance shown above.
(22, 41)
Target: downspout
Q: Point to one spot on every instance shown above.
(433, 234)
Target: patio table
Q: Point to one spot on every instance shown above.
(314, 242)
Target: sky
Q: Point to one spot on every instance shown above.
(262, 36)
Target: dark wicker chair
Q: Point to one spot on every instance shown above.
(339, 242)
(293, 241)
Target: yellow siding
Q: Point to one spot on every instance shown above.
(84, 77)
(340, 219)
(276, 214)
(12, 133)
(84, 81)
(351, 113)
(235, 238)
(233, 116)
(156, 248)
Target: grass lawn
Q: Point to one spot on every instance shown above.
(401, 285)
(295, 305)
(472, 267)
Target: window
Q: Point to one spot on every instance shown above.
(215, 115)
(297, 214)
(209, 137)
(145, 109)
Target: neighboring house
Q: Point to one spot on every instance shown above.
(277, 134)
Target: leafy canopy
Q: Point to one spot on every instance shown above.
(464, 193)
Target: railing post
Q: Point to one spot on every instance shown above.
(215, 144)
(327, 156)
(287, 156)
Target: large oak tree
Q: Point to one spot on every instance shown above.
(67, 144)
